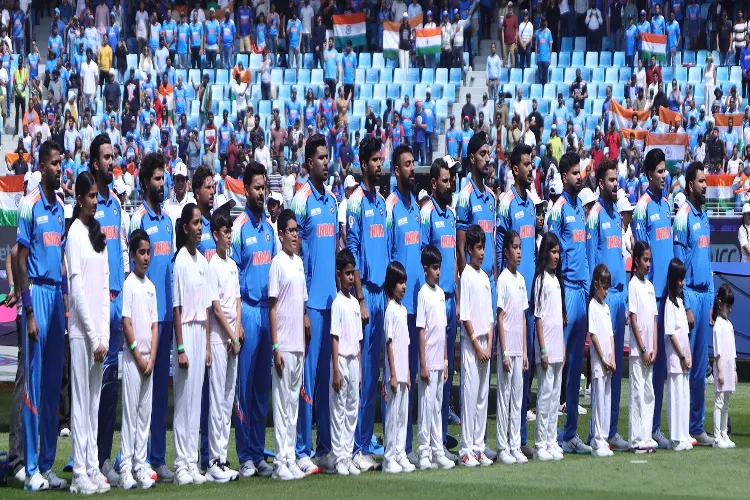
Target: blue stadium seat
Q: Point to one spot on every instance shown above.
(598, 103)
(625, 74)
(532, 60)
(549, 91)
(365, 91)
(598, 75)
(557, 75)
(132, 61)
(393, 90)
(406, 89)
(372, 75)
(735, 75)
(290, 76)
(525, 88)
(386, 75)
(225, 106)
(578, 60)
(412, 76)
(570, 75)
(592, 120)
(543, 106)
(277, 76)
(695, 74)
(537, 91)
(504, 75)
(456, 77)
(618, 60)
(529, 75)
(563, 60)
(667, 74)
(680, 73)
(610, 75)
(359, 75)
(181, 73)
(354, 122)
(377, 60)
(580, 44)
(303, 76)
(688, 57)
(215, 111)
(375, 106)
(516, 75)
(449, 92)
(605, 59)
(365, 60)
(722, 74)
(441, 109)
(222, 77)
(428, 75)
(592, 60)
(316, 76)
(606, 43)
(601, 92)
(567, 44)
(701, 57)
(378, 91)
(441, 76)
(510, 88)
(285, 91)
(241, 58)
(399, 76)
(618, 92)
(255, 61)
(553, 60)
(420, 91)
(586, 74)
(307, 61)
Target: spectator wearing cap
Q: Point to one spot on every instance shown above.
(543, 46)
(509, 36)
(520, 108)
(429, 59)
(469, 110)
(181, 196)
(404, 42)
(554, 144)
(446, 42)
(460, 24)
(501, 108)
(631, 40)
(494, 63)
(525, 39)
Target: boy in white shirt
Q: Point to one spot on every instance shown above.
(226, 333)
(477, 325)
(346, 367)
(433, 362)
(140, 328)
(287, 294)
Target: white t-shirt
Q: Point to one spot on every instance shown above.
(431, 316)
(139, 304)
(342, 211)
(346, 324)
(600, 324)
(287, 283)
(548, 308)
(190, 287)
(224, 282)
(724, 347)
(141, 23)
(88, 272)
(743, 235)
(476, 302)
(397, 331)
(288, 186)
(642, 302)
(525, 31)
(512, 299)
(675, 323)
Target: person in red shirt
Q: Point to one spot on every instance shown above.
(597, 153)
(509, 36)
(612, 141)
(653, 72)
(210, 136)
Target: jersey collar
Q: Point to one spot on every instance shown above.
(403, 200)
(654, 196)
(572, 199)
(152, 214)
(370, 196)
(255, 221)
(47, 204)
(436, 206)
(609, 207)
(321, 197)
(102, 201)
(482, 196)
(520, 200)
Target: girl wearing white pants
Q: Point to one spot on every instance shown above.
(643, 347)
(679, 359)
(725, 365)
(512, 303)
(88, 329)
(287, 294)
(191, 300)
(709, 84)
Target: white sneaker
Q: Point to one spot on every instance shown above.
(582, 410)
(100, 481)
(542, 455)
(65, 432)
(602, 451)
(484, 460)
(295, 470)
(110, 473)
(530, 416)
(729, 441)
(235, 475)
(519, 456)
(556, 452)
(469, 460)
(342, 469)
(406, 465)
(217, 474)
(324, 463)
(195, 473)
(83, 485)
(721, 443)
(443, 462)
(391, 467)
(126, 482)
(248, 469)
(164, 474)
(20, 476)
(353, 469)
(307, 466)
(362, 462)
(264, 470)
(506, 457)
(145, 478)
(450, 456)
(281, 472)
(182, 477)
(679, 445)
(37, 482)
(424, 463)
(55, 483)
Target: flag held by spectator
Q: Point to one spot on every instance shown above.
(719, 192)
(721, 122)
(428, 41)
(653, 45)
(349, 27)
(673, 145)
(639, 138)
(390, 35)
(235, 190)
(11, 193)
(669, 118)
(623, 117)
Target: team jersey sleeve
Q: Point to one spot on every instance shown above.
(592, 237)
(274, 276)
(640, 222)
(463, 211)
(236, 245)
(390, 229)
(299, 207)
(25, 231)
(421, 311)
(681, 233)
(354, 229)
(426, 226)
(502, 223)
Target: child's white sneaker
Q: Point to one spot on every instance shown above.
(307, 466)
(295, 470)
(37, 482)
(216, 473)
(145, 478)
(282, 472)
(424, 463)
(342, 469)
(679, 445)
(182, 477)
(469, 460)
(506, 457)
(363, 463)
(126, 482)
(353, 469)
(721, 443)
(248, 469)
(99, 480)
(602, 451)
(542, 455)
(443, 462)
(82, 485)
(725, 436)
(519, 456)
(195, 473)
(392, 467)
(406, 465)
(556, 452)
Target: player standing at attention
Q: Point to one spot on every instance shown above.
(439, 229)
(40, 265)
(404, 238)
(253, 248)
(604, 246)
(157, 224)
(567, 222)
(366, 239)
(315, 209)
(692, 245)
(516, 211)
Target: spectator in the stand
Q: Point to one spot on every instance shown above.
(525, 39)
(536, 121)
(228, 36)
(653, 72)
(404, 42)
(469, 110)
(262, 155)
(294, 39)
(509, 36)
(519, 108)
(725, 31)
(579, 90)
(196, 42)
(446, 41)
(494, 63)
(544, 45)
(319, 43)
(743, 235)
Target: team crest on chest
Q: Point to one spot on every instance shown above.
(115, 211)
(331, 209)
(59, 220)
(268, 237)
(417, 218)
(169, 229)
(381, 211)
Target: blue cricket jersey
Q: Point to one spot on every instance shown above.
(318, 230)
(159, 230)
(652, 223)
(566, 220)
(109, 215)
(475, 207)
(692, 245)
(439, 229)
(513, 212)
(41, 229)
(253, 249)
(604, 241)
(405, 243)
(366, 236)
(207, 245)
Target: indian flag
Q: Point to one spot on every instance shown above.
(390, 35)
(11, 193)
(653, 45)
(719, 192)
(235, 190)
(673, 145)
(669, 118)
(639, 138)
(721, 121)
(428, 41)
(348, 27)
(623, 117)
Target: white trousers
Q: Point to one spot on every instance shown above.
(344, 408)
(86, 388)
(136, 415)
(721, 413)
(509, 398)
(708, 97)
(678, 406)
(475, 389)
(222, 378)
(640, 402)
(548, 399)
(285, 396)
(430, 427)
(395, 423)
(601, 409)
(403, 60)
(188, 388)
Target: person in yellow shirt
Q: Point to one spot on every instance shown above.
(104, 60)
(555, 144)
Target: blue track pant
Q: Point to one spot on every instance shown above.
(204, 421)
(450, 339)
(617, 302)
(160, 406)
(315, 387)
(530, 330)
(110, 383)
(253, 383)
(575, 343)
(372, 348)
(660, 365)
(700, 302)
(43, 370)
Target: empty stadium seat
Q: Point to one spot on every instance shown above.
(557, 75)
(563, 59)
(377, 60)
(441, 76)
(386, 75)
(516, 75)
(579, 44)
(537, 91)
(529, 75)
(365, 60)
(605, 59)
(549, 91)
(578, 60)
(379, 91)
(456, 76)
(428, 75)
(399, 76)
(566, 45)
(412, 76)
(598, 75)
(592, 60)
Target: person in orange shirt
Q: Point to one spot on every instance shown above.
(246, 74)
(166, 92)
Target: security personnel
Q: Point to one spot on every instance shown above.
(692, 245)
(652, 223)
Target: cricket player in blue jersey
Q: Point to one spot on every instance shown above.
(42, 281)
(692, 245)
(516, 211)
(253, 248)
(109, 215)
(404, 245)
(566, 220)
(439, 229)
(157, 224)
(652, 223)
(316, 213)
(604, 245)
(366, 238)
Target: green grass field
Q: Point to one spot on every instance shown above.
(701, 473)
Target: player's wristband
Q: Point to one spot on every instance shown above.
(234, 341)
(12, 287)
(502, 354)
(543, 350)
(133, 346)
(275, 347)
(26, 298)
(180, 349)
(360, 299)
(64, 286)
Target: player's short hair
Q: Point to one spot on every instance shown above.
(568, 161)
(437, 165)
(45, 150)
(314, 142)
(136, 237)
(400, 150)
(344, 258)
(252, 169)
(474, 236)
(199, 177)
(518, 152)
(653, 158)
(150, 164)
(604, 166)
(431, 256)
(692, 172)
(96, 146)
(368, 147)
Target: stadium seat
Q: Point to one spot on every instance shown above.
(543, 106)
(610, 75)
(378, 91)
(449, 92)
(316, 76)
(303, 76)
(570, 75)
(735, 75)
(420, 91)
(412, 76)
(441, 109)
(598, 75)
(688, 57)
(284, 91)
(525, 88)
(377, 60)
(277, 76)
(375, 106)
(553, 60)
(557, 75)
(618, 60)
(365, 91)
(224, 106)
(181, 73)
(365, 60)
(241, 58)
(504, 75)
(592, 120)
(597, 108)
(532, 61)
(605, 59)
(406, 89)
(456, 76)
(579, 44)
(529, 75)
(441, 76)
(563, 60)
(722, 74)
(255, 61)
(372, 75)
(567, 44)
(695, 74)
(510, 88)
(601, 92)
(578, 60)
(625, 75)
(537, 91)
(399, 76)
(618, 92)
(132, 61)
(428, 75)
(549, 91)
(592, 60)
(222, 77)
(307, 61)
(359, 75)
(386, 75)
(516, 75)
(354, 122)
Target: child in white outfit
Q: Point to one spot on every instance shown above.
(725, 364)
